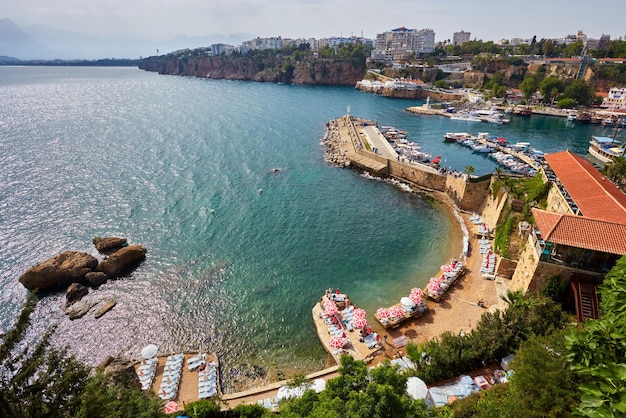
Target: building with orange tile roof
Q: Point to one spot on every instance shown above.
(583, 190)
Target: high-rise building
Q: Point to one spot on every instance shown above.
(459, 38)
(400, 42)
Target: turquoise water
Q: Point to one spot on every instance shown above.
(178, 164)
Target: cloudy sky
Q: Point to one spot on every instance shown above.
(164, 19)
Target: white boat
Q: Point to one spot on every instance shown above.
(606, 149)
(465, 117)
(519, 146)
(572, 116)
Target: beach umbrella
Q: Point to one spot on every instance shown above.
(318, 385)
(406, 301)
(416, 298)
(359, 322)
(330, 310)
(383, 313)
(284, 392)
(417, 291)
(336, 342)
(359, 313)
(149, 351)
(171, 407)
(397, 311)
(434, 284)
(416, 388)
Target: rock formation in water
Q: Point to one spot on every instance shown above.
(122, 260)
(59, 271)
(108, 244)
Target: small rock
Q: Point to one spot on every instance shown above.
(75, 293)
(109, 304)
(95, 278)
(79, 309)
(108, 244)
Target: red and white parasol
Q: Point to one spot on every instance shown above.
(171, 407)
(330, 310)
(434, 285)
(397, 311)
(359, 313)
(336, 342)
(359, 322)
(383, 313)
(416, 298)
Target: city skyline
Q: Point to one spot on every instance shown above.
(162, 19)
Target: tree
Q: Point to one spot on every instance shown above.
(529, 86)
(469, 170)
(565, 103)
(550, 87)
(597, 350)
(580, 92)
(37, 381)
(616, 172)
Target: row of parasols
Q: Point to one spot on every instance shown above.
(438, 285)
(353, 317)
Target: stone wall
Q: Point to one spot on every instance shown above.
(531, 274)
(556, 202)
(493, 207)
(415, 175)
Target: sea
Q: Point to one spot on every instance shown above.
(238, 252)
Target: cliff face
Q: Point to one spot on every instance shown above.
(326, 72)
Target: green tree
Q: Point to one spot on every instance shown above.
(597, 350)
(529, 86)
(37, 381)
(469, 170)
(580, 92)
(566, 103)
(616, 172)
(550, 87)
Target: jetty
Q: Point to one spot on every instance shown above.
(441, 283)
(343, 329)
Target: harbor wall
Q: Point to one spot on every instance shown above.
(467, 195)
(417, 175)
(494, 204)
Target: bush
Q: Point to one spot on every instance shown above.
(203, 409)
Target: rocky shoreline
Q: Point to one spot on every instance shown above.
(77, 270)
(332, 143)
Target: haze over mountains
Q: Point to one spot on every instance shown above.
(41, 42)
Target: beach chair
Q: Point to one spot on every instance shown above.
(267, 403)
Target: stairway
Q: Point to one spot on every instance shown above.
(585, 300)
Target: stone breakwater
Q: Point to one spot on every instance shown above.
(335, 145)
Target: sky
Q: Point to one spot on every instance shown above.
(165, 19)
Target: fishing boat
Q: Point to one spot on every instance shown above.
(606, 149)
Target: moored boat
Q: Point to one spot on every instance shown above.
(606, 149)
(457, 136)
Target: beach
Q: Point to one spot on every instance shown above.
(458, 311)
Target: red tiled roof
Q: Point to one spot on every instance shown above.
(595, 196)
(581, 232)
(602, 93)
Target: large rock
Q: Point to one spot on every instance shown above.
(109, 244)
(59, 271)
(122, 260)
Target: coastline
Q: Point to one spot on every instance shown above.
(457, 311)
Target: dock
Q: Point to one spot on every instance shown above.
(395, 321)
(355, 345)
(440, 284)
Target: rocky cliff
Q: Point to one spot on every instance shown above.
(275, 70)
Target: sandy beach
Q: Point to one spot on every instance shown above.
(458, 310)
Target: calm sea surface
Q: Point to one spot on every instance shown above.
(177, 164)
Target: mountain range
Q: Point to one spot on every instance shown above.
(41, 42)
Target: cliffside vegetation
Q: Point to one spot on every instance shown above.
(341, 65)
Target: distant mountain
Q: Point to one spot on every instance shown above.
(14, 42)
(45, 42)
